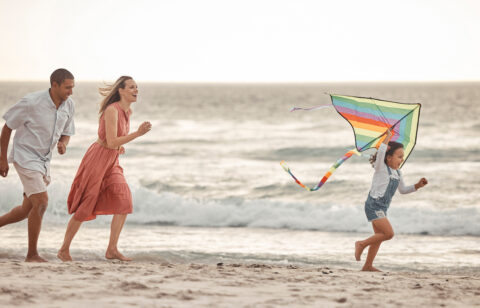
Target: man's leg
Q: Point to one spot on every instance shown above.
(17, 214)
(39, 206)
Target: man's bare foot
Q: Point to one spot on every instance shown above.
(358, 250)
(370, 269)
(64, 255)
(35, 258)
(115, 254)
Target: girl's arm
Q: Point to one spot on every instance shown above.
(389, 135)
(382, 149)
(111, 120)
(408, 189)
(403, 189)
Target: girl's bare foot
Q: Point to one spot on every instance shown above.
(35, 258)
(115, 254)
(64, 255)
(370, 269)
(358, 250)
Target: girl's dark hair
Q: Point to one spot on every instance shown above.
(392, 147)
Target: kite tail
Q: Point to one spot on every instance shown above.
(332, 169)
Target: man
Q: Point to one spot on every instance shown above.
(41, 120)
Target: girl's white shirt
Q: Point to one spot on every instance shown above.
(381, 178)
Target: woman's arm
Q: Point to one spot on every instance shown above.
(114, 141)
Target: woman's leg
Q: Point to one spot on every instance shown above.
(383, 231)
(118, 221)
(72, 228)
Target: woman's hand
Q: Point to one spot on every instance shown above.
(121, 150)
(421, 183)
(144, 128)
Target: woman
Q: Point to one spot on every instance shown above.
(99, 188)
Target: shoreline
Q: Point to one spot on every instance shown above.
(151, 284)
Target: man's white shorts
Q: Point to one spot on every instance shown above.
(34, 182)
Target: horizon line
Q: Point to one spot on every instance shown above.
(262, 82)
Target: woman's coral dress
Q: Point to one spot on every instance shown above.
(99, 187)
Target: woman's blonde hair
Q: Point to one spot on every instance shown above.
(111, 92)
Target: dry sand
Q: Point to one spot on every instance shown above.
(145, 284)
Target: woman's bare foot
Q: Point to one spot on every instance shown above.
(370, 269)
(64, 255)
(35, 258)
(115, 254)
(358, 250)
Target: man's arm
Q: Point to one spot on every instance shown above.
(4, 140)
(62, 144)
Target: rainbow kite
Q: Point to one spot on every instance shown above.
(370, 119)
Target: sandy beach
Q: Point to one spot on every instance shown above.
(208, 189)
(150, 284)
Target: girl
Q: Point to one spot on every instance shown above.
(386, 179)
(99, 188)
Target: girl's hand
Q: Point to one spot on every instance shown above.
(121, 150)
(389, 135)
(144, 128)
(421, 183)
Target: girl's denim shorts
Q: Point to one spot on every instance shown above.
(375, 208)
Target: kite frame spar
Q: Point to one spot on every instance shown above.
(357, 150)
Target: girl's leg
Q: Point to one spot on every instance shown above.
(372, 252)
(383, 231)
(72, 228)
(112, 251)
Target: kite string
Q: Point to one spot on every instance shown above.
(311, 108)
(327, 175)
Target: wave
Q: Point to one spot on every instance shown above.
(164, 208)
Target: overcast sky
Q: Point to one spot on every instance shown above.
(241, 41)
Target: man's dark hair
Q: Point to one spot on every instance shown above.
(59, 75)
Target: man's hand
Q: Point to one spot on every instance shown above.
(121, 150)
(61, 147)
(3, 167)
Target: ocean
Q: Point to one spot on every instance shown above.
(208, 187)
